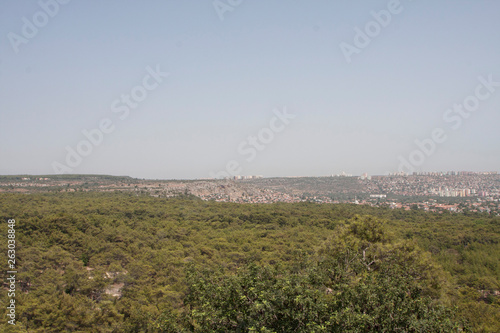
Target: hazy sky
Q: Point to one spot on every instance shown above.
(354, 84)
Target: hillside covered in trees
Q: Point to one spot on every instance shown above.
(118, 262)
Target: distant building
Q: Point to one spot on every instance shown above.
(380, 196)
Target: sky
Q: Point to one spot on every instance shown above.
(199, 89)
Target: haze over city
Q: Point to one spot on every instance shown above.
(177, 90)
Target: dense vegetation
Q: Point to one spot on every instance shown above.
(186, 265)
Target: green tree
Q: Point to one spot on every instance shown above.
(360, 281)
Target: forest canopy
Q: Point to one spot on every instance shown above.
(117, 262)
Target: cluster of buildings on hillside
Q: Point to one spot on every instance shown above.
(442, 185)
(446, 192)
(467, 190)
(267, 196)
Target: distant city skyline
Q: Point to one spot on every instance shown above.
(364, 175)
(452, 191)
(173, 90)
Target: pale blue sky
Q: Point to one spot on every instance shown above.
(227, 76)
